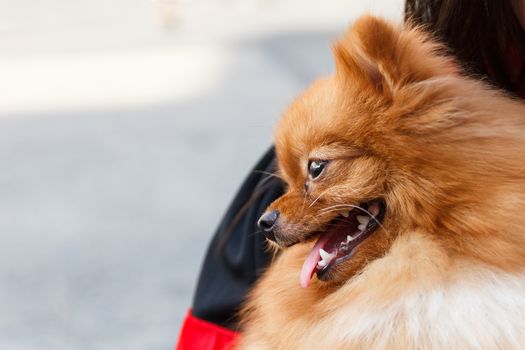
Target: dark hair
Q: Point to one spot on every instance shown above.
(480, 33)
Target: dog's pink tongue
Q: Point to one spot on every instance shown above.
(311, 261)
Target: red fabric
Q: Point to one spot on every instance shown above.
(197, 334)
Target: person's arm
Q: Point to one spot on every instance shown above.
(235, 259)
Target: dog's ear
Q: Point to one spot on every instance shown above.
(378, 57)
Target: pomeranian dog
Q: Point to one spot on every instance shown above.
(403, 224)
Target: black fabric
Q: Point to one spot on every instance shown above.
(237, 255)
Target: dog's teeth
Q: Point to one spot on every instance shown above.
(345, 213)
(361, 227)
(326, 258)
(363, 219)
(374, 209)
(325, 255)
(349, 238)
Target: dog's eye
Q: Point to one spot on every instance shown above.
(316, 167)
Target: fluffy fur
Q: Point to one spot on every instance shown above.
(446, 152)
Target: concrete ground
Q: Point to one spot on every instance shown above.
(125, 129)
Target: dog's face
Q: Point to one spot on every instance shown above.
(337, 183)
(360, 151)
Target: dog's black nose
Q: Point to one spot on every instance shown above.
(267, 222)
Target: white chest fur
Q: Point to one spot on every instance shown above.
(417, 298)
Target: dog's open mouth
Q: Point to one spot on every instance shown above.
(342, 236)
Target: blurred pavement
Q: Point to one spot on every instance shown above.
(125, 129)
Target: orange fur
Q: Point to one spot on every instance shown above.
(447, 154)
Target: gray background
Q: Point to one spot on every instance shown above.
(125, 129)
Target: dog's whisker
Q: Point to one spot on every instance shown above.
(269, 174)
(318, 197)
(304, 203)
(255, 233)
(266, 179)
(337, 207)
(333, 189)
(269, 177)
(316, 220)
